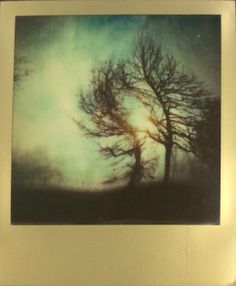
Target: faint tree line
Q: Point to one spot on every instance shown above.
(34, 169)
(182, 110)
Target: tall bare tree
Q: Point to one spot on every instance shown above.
(168, 92)
(108, 118)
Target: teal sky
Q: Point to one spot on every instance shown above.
(62, 52)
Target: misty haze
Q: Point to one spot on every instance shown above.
(116, 120)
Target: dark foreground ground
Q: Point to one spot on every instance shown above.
(147, 204)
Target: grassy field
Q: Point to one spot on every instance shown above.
(147, 204)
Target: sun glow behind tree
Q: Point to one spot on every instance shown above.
(140, 117)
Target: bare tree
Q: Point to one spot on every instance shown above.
(168, 92)
(108, 119)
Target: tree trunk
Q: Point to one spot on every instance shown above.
(137, 169)
(168, 152)
(132, 181)
(168, 147)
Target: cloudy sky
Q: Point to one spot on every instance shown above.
(62, 52)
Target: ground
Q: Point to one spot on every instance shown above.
(154, 203)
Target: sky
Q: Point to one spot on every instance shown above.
(61, 53)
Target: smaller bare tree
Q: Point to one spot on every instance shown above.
(108, 119)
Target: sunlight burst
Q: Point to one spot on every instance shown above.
(139, 119)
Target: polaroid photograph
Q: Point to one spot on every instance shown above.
(117, 150)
